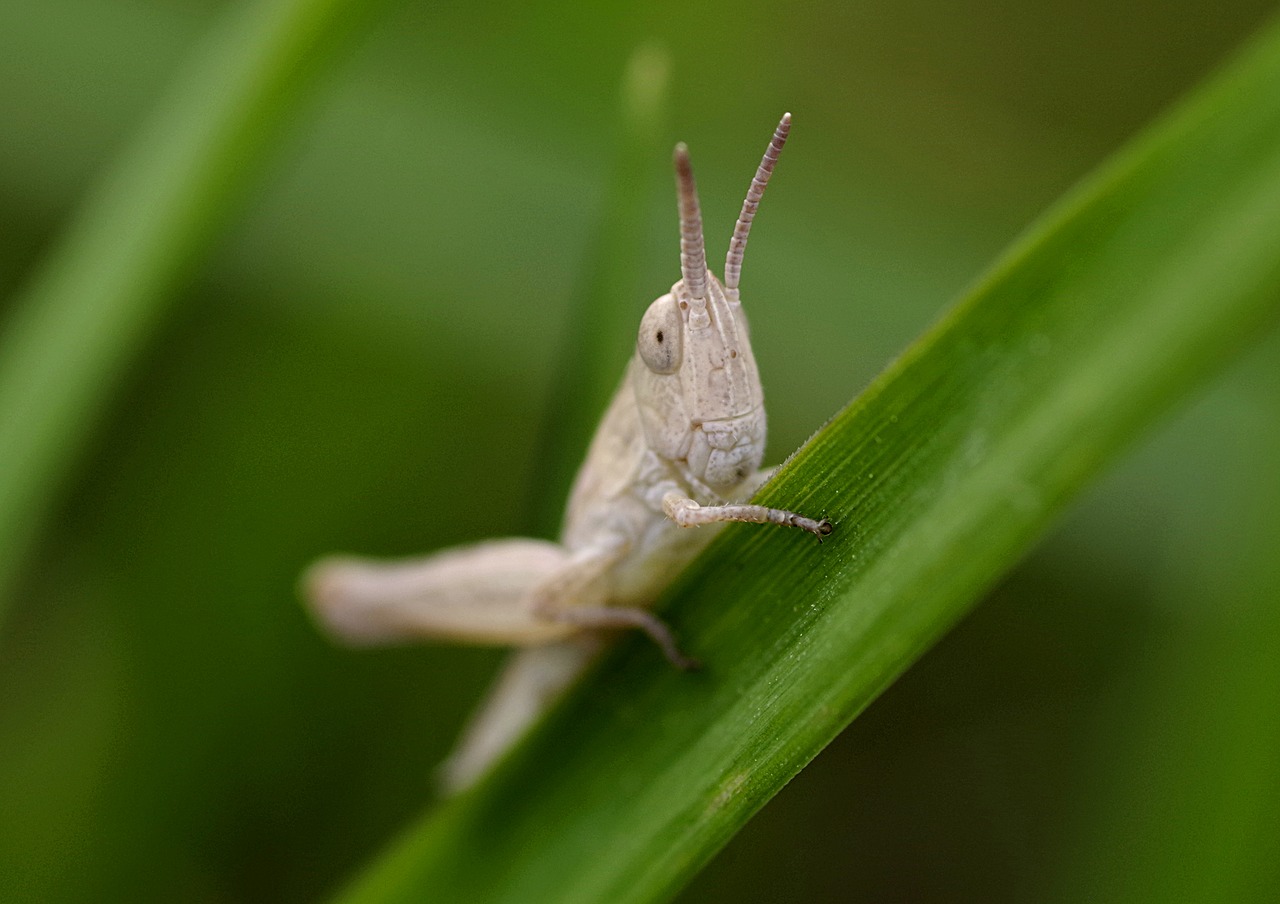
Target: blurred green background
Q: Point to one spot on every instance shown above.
(367, 363)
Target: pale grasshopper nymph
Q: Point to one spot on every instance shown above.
(679, 447)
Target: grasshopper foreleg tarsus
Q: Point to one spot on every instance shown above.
(687, 513)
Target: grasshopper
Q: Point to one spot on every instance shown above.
(679, 446)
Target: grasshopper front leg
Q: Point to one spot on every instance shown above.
(688, 513)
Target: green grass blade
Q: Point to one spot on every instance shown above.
(938, 478)
(1182, 803)
(603, 312)
(105, 287)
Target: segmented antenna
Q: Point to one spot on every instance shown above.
(693, 251)
(738, 244)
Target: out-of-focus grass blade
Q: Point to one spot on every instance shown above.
(1186, 788)
(103, 289)
(937, 478)
(604, 313)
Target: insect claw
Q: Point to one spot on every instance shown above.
(662, 636)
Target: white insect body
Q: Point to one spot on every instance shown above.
(681, 443)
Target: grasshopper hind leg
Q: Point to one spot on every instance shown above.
(530, 683)
(478, 594)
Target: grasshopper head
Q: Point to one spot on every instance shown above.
(694, 375)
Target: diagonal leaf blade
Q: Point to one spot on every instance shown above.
(938, 478)
(106, 286)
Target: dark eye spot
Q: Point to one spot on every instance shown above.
(659, 336)
(733, 353)
(684, 305)
(742, 474)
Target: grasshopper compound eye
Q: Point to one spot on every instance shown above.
(661, 339)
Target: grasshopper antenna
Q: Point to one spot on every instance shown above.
(693, 250)
(738, 244)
